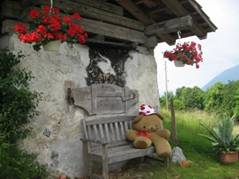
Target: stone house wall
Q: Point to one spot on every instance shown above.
(56, 131)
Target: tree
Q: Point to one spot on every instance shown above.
(190, 98)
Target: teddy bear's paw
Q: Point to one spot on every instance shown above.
(142, 142)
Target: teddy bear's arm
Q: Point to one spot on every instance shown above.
(131, 134)
(165, 133)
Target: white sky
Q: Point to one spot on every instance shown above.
(220, 49)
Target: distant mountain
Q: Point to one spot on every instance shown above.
(231, 74)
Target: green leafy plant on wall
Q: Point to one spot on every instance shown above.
(17, 107)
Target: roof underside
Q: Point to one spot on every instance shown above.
(155, 11)
(123, 22)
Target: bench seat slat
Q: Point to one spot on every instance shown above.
(125, 152)
(112, 119)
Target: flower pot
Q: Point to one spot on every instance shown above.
(228, 157)
(52, 45)
(178, 63)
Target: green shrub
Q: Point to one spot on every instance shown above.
(17, 107)
(17, 102)
(17, 164)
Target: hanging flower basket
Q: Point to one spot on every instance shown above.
(53, 45)
(47, 25)
(178, 63)
(188, 53)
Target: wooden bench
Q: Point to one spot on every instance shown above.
(105, 140)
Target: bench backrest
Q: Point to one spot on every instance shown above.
(108, 129)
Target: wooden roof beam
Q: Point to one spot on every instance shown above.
(141, 16)
(169, 26)
(135, 11)
(203, 15)
(176, 7)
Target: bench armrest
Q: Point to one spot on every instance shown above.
(94, 141)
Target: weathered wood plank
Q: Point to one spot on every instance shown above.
(109, 119)
(126, 127)
(99, 4)
(134, 10)
(197, 7)
(178, 10)
(89, 132)
(117, 131)
(171, 25)
(91, 12)
(10, 9)
(129, 154)
(96, 27)
(104, 42)
(122, 131)
(112, 132)
(96, 132)
(102, 136)
(140, 15)
(106, 128)
(175, 7)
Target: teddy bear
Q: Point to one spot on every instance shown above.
(148, 130)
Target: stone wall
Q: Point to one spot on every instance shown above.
(56, 131)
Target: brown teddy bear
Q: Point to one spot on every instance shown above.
(148, 129)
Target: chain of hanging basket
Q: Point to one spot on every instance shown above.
(51, 6)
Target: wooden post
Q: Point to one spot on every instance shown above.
(173, 122)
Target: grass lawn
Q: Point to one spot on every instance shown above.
(195, 148)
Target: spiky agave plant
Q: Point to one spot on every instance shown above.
(221, 136)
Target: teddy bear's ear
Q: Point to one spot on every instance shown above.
(138, 118)
(160, 116)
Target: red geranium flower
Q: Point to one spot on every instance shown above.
(41, 29)
(34, 13)
(20, 28)
(55, 23)
(67, 20)
(188, 53)
(46, 9)
(81, 39)
(51, 25)
(76, 16)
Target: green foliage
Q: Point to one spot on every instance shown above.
(186, 98)
(17, 102)
(17, 106)
(223, 98)
(221, 136)
(191, 98)
(16, 164)
(163, 98)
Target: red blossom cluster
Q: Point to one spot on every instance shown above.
(48, 24)
(189, 53)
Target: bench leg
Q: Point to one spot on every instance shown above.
(105, 166)
(105, 170)
(90, 167)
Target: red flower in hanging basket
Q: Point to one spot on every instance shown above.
(188, 53)
(47, 24)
